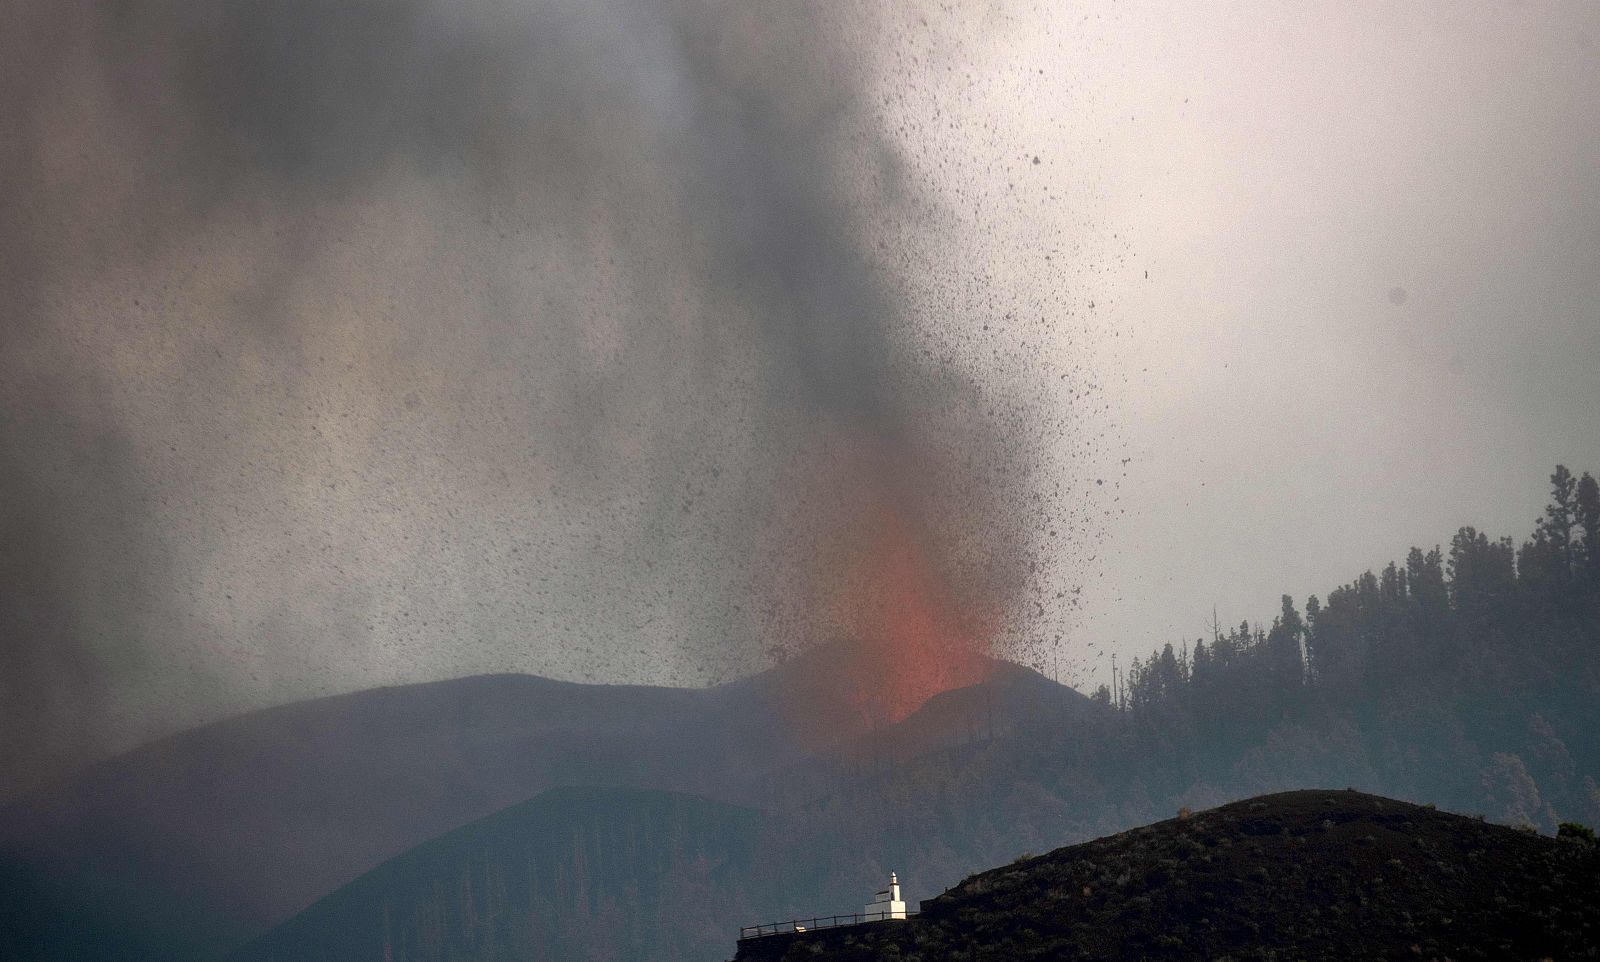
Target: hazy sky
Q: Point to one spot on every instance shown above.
(429, 339)
(1372, 315)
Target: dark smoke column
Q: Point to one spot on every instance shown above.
(358, 342)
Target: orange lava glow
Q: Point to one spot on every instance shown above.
(887, 607)
(912, 638)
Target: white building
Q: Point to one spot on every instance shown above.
(888, 904)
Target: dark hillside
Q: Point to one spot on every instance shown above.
(1467, 675)
(1012, 699)
(187, 847)
(578, 873)
(199, 841)
(1299, 875)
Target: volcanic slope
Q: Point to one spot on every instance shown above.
(195, 843)
(1313, 875)
(187, 847)
(577, 873)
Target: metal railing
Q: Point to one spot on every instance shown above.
(812, 925)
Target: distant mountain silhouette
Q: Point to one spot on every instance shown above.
(242, 823)
(576, 872)
(184, 848)
(1011, 699)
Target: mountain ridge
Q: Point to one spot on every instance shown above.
(244, 822)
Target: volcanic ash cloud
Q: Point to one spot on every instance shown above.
(359, 342)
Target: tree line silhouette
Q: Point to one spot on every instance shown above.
(1488, 634)
(1467, 677)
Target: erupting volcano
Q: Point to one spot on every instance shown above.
(904, 586)
(632, 329)
(911, 637)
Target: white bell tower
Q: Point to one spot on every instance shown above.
(888, 904)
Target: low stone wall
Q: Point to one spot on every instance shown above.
(810, 945)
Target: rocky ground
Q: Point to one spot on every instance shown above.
(1293, 876)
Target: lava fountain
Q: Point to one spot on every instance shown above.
(912, 637)
(899, 587)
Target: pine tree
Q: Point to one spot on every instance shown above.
(1560, 516)
(1588, 510)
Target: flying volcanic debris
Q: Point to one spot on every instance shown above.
(366, 341)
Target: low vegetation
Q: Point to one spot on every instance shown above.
(1309, 875)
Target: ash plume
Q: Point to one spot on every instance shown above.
(361, 341)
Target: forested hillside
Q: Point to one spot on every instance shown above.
(1466, 676)
(1468, 673)
(579, 873)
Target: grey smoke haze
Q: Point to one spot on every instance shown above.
(369, 341)
(358, 343)
(1279, 171)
